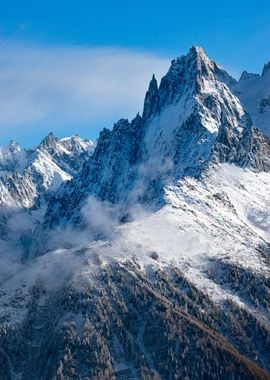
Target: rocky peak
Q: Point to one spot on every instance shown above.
(153, 85)
(48, 142)
(14, 147)
(198, 61)
(186, 75)
(75, 144)
(245, 76)
(190, 121)
(41, 170)
(151, 102)
(11, 157)
(266, 68)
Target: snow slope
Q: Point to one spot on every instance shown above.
(225, 215)
(212, 231)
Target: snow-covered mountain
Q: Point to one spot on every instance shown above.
(27, 175)
(152, 262)
(28, 178)
(191, 120)
(254, 92)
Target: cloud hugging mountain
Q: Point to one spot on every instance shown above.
(144, 255)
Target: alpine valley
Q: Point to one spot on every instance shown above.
(146, 254)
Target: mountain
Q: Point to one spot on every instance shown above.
(153, 261)
(27, 175)
(191, 120)
(28, 178)
(254, 92)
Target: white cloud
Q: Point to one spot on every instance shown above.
(54, 85)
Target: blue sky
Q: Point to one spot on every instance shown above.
(76, 66)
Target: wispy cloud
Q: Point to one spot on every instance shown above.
(54, 85)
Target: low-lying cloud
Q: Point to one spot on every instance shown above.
(56, 85)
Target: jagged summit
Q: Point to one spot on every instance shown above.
(254, 92)
(151, 102)
(198, 51)
(197, 114)
(13, 146)
(186, 74)
(245, 76)
(12, 157)
(77, 144)
(49, 141)
(27, 175)
(198, 59)
(196, 54)
(190, 121)
(266, 69)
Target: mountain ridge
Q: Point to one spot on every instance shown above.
(153, 261)
(49, 163)
(188, 120)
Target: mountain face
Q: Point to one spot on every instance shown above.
(28, 178)
(191, 120)
(152, 261)
(29, 175)
(254, 92)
